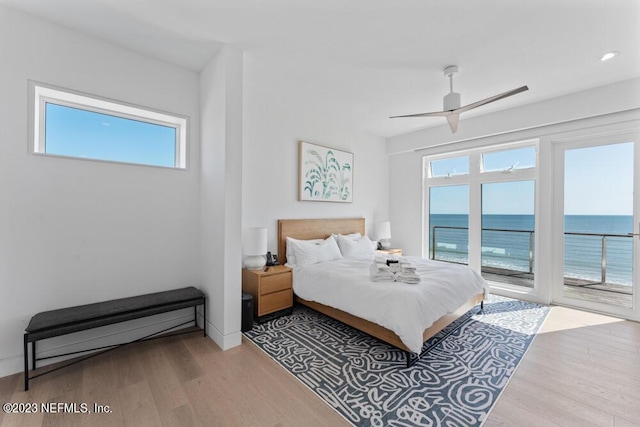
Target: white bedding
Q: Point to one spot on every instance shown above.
(406, 309)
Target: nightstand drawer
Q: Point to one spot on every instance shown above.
(275, 301)
(271, 289)
(275, 283)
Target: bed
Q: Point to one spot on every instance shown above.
(307, 229)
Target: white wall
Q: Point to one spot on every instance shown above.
(275, 119)
(73, 231)
(221, 194)
(405, 205)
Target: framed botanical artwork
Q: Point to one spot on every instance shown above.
(325, 174)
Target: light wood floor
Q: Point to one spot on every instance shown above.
(582, 369)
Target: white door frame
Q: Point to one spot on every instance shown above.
(593, 137)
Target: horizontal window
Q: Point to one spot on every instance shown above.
(508, 160)
(72, 125)
(449, 167)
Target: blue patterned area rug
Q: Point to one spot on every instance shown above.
(365, 380)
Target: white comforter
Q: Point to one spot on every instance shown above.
(406, 309)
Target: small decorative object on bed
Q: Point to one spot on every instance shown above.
(325, 174)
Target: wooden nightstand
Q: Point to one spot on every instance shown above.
(390, 251)
(272, 290)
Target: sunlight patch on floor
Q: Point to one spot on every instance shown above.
(564, 318)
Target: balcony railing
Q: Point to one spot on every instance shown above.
(531, 239)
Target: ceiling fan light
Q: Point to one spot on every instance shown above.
(607, 56)
(451, 101)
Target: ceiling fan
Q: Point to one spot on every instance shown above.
(451, 101)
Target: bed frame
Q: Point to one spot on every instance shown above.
(305, 229)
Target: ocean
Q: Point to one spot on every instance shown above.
(509, 249)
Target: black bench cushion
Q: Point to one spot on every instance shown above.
(72, 319)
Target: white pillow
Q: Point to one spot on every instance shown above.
(354, 247)
(308, 252)
(352, 236)
(291, 249)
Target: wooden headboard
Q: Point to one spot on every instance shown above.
(305, 229)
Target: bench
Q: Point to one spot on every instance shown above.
(64, 321)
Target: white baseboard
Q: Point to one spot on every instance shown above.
(225, 342)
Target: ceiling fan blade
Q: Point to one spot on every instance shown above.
(434, 114)
(452, 119)
(491, 99)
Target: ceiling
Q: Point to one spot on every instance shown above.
(361, 61)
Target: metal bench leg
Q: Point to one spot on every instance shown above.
(33, 355)
(195, 315)
(26, 363)
(204, 317)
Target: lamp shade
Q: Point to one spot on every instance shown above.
(255, 241)
(255, 248)
(382, 230)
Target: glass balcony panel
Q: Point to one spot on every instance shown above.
(449, 223)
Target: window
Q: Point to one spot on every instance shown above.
(479, 208)
(69, 124)
(508, 160)
(507, 232)
(449, 167)
(449, 223)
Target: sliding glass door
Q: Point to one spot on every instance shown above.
(597, 223)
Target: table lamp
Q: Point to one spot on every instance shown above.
(382, 231)
(255, 248)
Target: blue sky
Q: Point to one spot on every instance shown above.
(79, 133)
(598, 181)
(513, 198)
(453, 199)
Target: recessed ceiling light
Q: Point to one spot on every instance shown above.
(607, 56)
